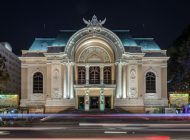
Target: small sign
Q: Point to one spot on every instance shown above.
(152, 110)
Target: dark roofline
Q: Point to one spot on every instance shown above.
(68, 30)
(111, 30)
(120, 30)
(44, 38)
(148, 38)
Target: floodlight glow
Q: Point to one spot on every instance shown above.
(8, 100)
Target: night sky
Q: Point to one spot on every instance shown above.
(22, 21)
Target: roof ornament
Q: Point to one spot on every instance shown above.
(94, 21)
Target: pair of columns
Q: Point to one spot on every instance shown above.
(121, 91)
(68, 81)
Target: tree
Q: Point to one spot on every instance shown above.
(179, 63)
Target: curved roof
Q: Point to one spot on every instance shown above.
(147, 43)
(42, 44)
(63, 37)
(125, 37)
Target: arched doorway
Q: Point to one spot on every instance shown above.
(94, 55)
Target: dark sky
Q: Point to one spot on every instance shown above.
(22, 21)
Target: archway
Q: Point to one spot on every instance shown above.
(94, 35)
(94, 51)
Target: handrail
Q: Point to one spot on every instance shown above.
(83, 82)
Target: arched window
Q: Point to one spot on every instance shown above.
(107, 75)
(150, 82)
(81, 75)
(38, 83)
(94, 75)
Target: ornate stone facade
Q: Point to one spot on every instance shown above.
(94, 68)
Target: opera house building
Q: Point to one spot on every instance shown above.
(93, 68)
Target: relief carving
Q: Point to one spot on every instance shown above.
(98, 52)
(133, 92)
(56, 93)
(56, 74)
(133, 74)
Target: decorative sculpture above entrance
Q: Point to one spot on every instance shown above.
(94, 21)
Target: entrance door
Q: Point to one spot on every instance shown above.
(81, 102)
(94, 102)
(108, 102)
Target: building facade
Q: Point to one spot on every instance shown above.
(93, 68)
(13, 67)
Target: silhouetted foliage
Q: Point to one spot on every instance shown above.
(179, 63)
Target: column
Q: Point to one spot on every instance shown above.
(113, 74)
(72, 77)
(163, 82)
(49, 85)
(101, 75)
(87, 74)
(68, 79)
(69, 75)
(119, 80)
(124, 81)
(24, 82)
(75, 73)
(140, 81)
(65, 82)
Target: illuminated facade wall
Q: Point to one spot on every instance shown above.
(13, 66)
(94, 64)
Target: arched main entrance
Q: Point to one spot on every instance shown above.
(94, 51)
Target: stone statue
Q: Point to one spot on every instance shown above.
(94, 21)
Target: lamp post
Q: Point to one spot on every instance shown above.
(102, 100)
(86, 105)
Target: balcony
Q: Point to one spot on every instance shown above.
(94, 82)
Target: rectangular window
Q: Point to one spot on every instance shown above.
(107, 75)
(94, 73)
(81, 75)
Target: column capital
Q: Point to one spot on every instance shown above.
(124, 63)
(87, 66)
(118, 62)
(102, 66)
